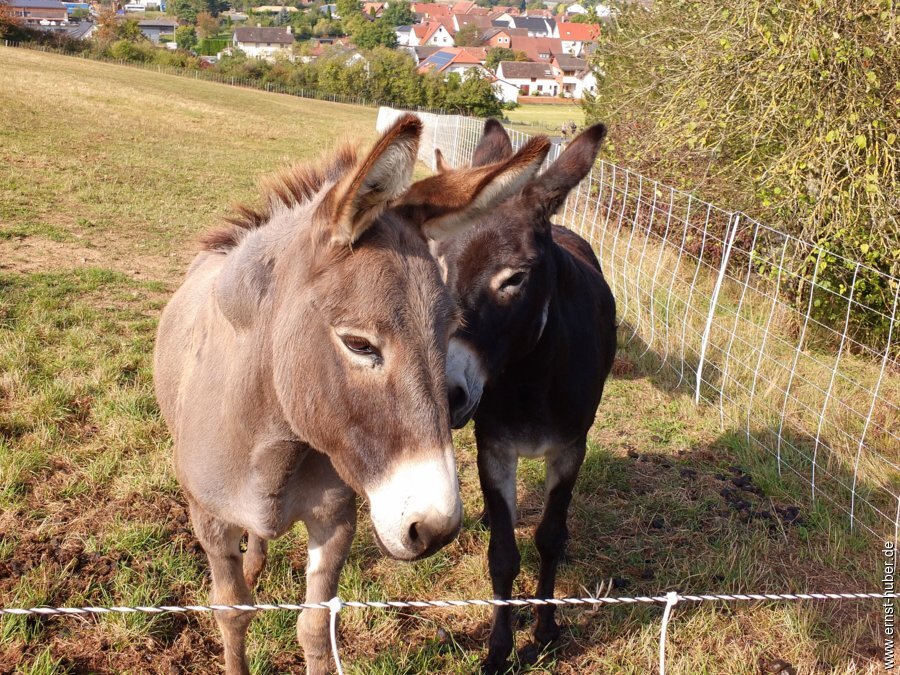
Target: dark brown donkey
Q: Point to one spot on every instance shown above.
(303, 360)
(535, 344)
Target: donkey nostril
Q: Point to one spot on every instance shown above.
(414, 533)
(457, 397)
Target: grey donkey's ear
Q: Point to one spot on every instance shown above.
(494, 145)
(448, 202)
(352, 205)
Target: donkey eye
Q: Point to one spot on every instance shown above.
(359, 345)
(513, 281)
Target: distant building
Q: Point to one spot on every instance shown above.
(430, 34)
(375, 9)
(506, 91)
(73, 6)
(273, 9)
(153, 28)
(144, 5)
(403, 33)
(39, 12)
(456, 60)
(575, 35)
(263, 43)
(574, 76)
(532, 79)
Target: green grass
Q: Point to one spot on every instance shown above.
(549, 116)
(90, 511)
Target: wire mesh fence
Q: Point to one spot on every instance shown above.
(740, 315)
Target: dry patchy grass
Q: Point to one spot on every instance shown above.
(120, 168)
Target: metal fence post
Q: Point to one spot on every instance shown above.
(714, 301)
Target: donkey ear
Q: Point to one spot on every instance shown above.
(442, 164)
(447, 202)
(352, 205)
(549, 190)
(494, 145)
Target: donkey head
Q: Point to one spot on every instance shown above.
(502, 271)
(360, 327)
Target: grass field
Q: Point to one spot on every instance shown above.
(549, 117)
(106, 176)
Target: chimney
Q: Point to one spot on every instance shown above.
(289, 30)
(259, 25)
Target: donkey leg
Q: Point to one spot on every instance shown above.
(254, 559)
(552, 533)
(329, 545)
(497, 473)
(222, 543)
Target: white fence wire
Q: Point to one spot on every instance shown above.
(737, 313)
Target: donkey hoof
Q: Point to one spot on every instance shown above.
(546, 634)
(494, 666)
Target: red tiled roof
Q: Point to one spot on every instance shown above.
(482, 21)
(578, 31)
(424, 31)
(535, 46)
(460, 55)
(431, 10)
(463, 7)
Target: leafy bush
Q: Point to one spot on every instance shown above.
(126, 50)
(783, 108)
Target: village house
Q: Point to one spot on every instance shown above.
(532, 79)
(540, 50)
(574, 36)
(505, 91)
(152, 29)
(536, 26)
(375, 9)
(274, 9)
(403, 34)
(263, 43)
(39, 12)
(430, 34)
(574, 76)
(430, 11)
(460, 21)
(500, 36)
(459, 60)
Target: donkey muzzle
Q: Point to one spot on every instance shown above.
(417, 509)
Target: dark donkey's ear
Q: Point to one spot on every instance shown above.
(352, 205)
(446, 203)
(441, 164)
(494, 145)
(549, 190)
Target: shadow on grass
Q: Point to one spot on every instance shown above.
(700, 516)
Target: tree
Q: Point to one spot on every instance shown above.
(371, 34)
(497, 54)
(468, 36)
(399, 13)
(129, 30)
(185, 10)
(207, 25)
(185, 37)
(349, 9)
(327, 27)
(80, 14)
(9, 23)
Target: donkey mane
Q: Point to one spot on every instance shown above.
(292, 186)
